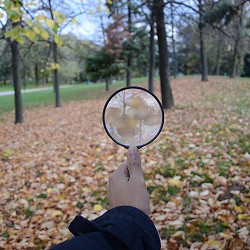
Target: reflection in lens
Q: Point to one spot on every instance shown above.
(133, 117)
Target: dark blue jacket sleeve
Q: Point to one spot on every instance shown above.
(119, 228)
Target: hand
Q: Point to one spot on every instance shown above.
(126, 185)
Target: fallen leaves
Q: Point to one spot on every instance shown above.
(56, 165)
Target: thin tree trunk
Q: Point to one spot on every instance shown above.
(36, 75)
(55, 74)
(218, 63)
(129, 60)
(151, 53)
(234, 62)
(237, 42)
(166, 91)
(4, 77)
(16, 81)
(203, 56)
(107, 81)
(103, 30)
(173, 41)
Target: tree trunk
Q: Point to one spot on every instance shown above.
(234, 62)
(173, 41)
(151, 53)
(129, 60)
(36, 75)
(218, 63)
(55, 74)
(107, 81)
(237, 44)
(166, 91)
(203, 56)
(4, 76)
(16, 81)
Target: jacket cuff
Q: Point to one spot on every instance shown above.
(129, 225)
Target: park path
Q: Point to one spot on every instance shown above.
(31, 90)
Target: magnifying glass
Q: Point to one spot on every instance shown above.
(133, 116)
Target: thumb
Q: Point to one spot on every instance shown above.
(134, 161)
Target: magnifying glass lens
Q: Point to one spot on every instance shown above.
(133, 116)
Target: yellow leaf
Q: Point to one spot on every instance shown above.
(109, 1)
(29, 22)
(212, 244)
(50, 23)
(54, 66)
(19, 39)
(36, 29)
(31, 35)
(91, 12)
(243, 217)
(56, 213)
(237, 209)
(44, 34)
(40, 17)
(58, 40)
(60, 17)
(175, 182)
(55, 13)
(1, 15)
(107, 10)
(49, 190)
(74, 21)
(97, 207)
(99, 9)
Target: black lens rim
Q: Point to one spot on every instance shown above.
(105, 107)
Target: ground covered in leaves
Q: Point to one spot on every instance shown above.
(56, 164)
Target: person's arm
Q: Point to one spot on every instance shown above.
(126, 225)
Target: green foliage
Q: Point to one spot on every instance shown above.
(173, 190)
(42, 196)
(6, 155)
(102, 66)
(79, 205)
(166, 171)
(167, 232)
(28, 213)
(216, 14)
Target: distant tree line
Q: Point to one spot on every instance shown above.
(138, 38)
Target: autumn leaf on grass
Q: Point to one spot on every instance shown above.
(175, 182)
(56, 213)
(212, 244)
(97, 207)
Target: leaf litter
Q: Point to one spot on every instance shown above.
(56, 165)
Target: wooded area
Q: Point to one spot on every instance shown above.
(199, 37)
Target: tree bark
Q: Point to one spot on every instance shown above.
(218, 63)
(237, 42)
(151, 53)
(203, 56)
(166, 91)
(234, 62)
(36, 75)
(55, 74)
(107, 82)
(129, 59)
(173, 41)
(16, 81)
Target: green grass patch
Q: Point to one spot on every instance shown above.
(73, 93)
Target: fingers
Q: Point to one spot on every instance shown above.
(134, 162)
(120, 174)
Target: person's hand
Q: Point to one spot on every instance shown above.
(126, 185)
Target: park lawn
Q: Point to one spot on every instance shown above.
(72, 93)
(196, 171)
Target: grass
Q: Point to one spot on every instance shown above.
(76, 92)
